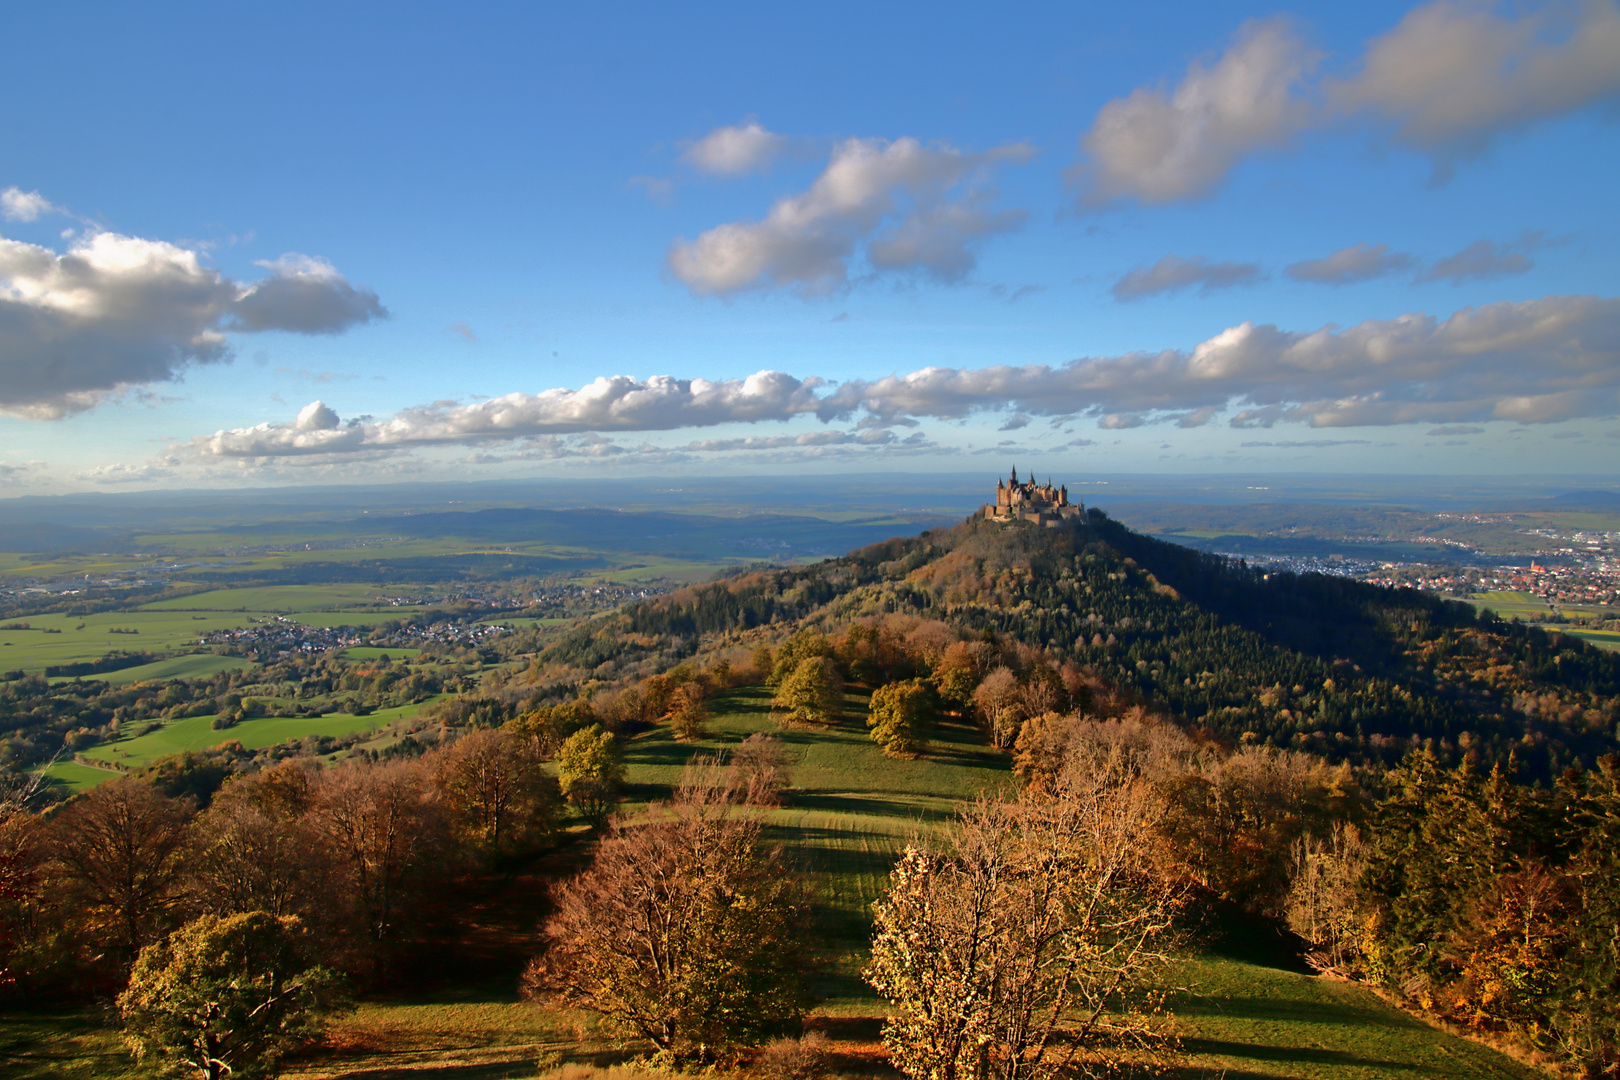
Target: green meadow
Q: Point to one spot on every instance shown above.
(1240, 1011)
(185, 666)
(66, 639)
(196, 733)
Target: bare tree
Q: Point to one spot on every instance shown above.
(685, 931)
(118, 851)
(1026, 945)
(244, 857)
(1322, 905)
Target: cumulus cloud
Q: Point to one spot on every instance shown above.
(1358, 262)
(19, 205)
(1173, 273)
(304, 295)
(1160, 146)
(917, 208)
(1483, 260)
(116, 312)
(1539, 360)
(1547, 360)
(1014, 422)
(735, 150)
(1454, 76)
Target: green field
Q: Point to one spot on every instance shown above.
(1603, 639)
(186, 666)
(366, 652)
(78, 777)
(194, 733)
(282, 599)
(1238, 1013)
(86, 637)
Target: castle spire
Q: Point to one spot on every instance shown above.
(1015, 476)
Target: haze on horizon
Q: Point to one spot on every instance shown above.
(311, 245)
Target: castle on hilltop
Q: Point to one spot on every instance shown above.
(1043, 504)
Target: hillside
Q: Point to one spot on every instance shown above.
(1350, 671)
(1243, 1010)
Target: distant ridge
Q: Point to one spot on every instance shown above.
(1587, 500)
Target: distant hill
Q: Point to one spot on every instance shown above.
(1345, 669)
(1587, 500)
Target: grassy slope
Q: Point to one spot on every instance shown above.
(850, 812)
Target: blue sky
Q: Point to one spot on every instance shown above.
(1172, 237)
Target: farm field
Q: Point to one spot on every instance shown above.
(1603, 639)
(87, 637)
(194, 733)
(281, 599)
(1239, 1014)
(185, 666)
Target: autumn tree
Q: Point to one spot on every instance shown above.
(759, 770)
(1000, 706)
(1323, 906)
(591, 772)
(228, 996)
(900, 717)
(251, 851)
(812, 694)
(795, 651)
(1026, 945)
(687, 711)
(384, 831)
(500, 798)
(118, 854)
(685, 931)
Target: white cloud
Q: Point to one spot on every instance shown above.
(1454, 76)
(1173, 273)
(1541, 360)
(19, 205)
(124, 474)
(1160, 146)
(1358, 262)
(116, 312)
(316, 416)
(934, 200)
(1553, 359)
(735, 150)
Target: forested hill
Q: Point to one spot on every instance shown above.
(1344, 669)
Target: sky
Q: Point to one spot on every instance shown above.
(246, 245)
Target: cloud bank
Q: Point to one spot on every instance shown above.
(1553, 359)
(118, 311)
(916, 208)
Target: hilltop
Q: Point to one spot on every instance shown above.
(1351, 671)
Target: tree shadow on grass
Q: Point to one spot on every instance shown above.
(1302, 1054)
(855, 803)
(1295, 1010)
